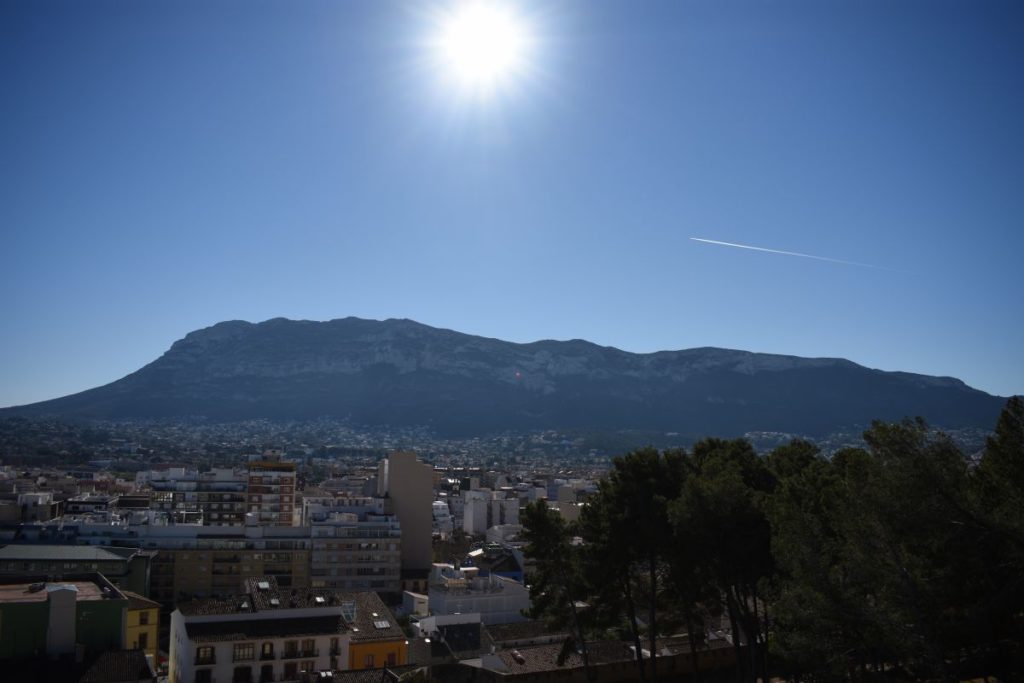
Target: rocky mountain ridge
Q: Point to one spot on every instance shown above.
(401, 372)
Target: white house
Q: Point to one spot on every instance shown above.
(264, 635)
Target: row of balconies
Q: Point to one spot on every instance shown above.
(269, 656)
(291, 654)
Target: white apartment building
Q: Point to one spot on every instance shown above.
(218, 497)
(443, 525)
(271, 634)
(355, 545)
(264, 635)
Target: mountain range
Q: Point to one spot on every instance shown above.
(401, 373)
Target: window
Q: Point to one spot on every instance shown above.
(204, 676)
(368, 662)
(266, 673)
(267, 651)
(291, 648)
(243, 674)
(143, 641)
(244, 652)
(391, 659)
(144, 618)
(309, 666)
(291, 671)
(309, 647)
(204, 655)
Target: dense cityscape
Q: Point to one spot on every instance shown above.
(511, 341)
(185, 519)
(295, 552)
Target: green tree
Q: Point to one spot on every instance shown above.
(627, 532)
(557, 585)
(724, 505)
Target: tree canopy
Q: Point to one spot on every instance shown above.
(903, 560)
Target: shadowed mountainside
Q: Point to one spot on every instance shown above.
(400, 372)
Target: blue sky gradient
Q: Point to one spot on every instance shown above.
(168, 165)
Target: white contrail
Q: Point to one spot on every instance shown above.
(789, 253)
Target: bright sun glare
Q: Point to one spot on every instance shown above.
(482, 44)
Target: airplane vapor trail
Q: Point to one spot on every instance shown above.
(789, 253)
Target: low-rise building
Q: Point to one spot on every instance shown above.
(78, 617)
(141, 624)
(272, 634)
(128, 568)
(120, 666)
(498, 599)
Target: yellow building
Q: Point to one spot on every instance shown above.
(143, 621)
(376, 640)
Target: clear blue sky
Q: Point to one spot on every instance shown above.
(168, 165)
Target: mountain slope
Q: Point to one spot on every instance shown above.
(400, 372)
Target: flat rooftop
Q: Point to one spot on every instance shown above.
(21, 592)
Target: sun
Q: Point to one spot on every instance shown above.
(482, 45)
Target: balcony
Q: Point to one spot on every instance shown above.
(300, 654)
(205, 660)
(264, 656)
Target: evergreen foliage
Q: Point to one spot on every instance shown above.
(900, 561)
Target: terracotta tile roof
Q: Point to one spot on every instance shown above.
(545, 657)
(241, 604)
(263, 595)
(372, 619)
(267, 596)
(520, 630)
(251, 629)
(118, 666)
(361, 676)
(136, 601)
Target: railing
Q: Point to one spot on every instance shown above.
(299, 654)
(200, 661)
(264, 656)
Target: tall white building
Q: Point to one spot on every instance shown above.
(476, 511)
(443, 526)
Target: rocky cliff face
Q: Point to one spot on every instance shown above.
(401, 372)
